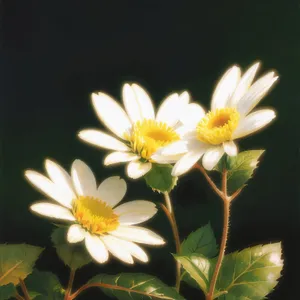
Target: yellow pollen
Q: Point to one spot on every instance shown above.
(147, 136)
(217, 126)
(95, 215)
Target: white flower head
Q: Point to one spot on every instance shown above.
(210, 135)
(140, 132)
(93, 211)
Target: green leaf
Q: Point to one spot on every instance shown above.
(17, 262)
(159, 178)
(74, 256)
(44, 284)
(240, 168)
(135, 286)
(251, 273)
(7, 291)
(198, 267)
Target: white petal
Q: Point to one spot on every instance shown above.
(61, 178)
(49, 188)
(112, 190)
(171, 110)
(166, 159)
(192, 114)
(102, 140)
(117, 248)
(254, 95)
(225, 88)
(135, 212)
(76, 234)
(111, 114)
(178, 147)
(83, 179)
(244, 85)
(254, 122)
(96, 248)
(230, 148)
(117, 157)
(137, 169)
(132, 106)
(212, 157)
(185, 97)
(144, 101)
(52, 211)
(138, 235)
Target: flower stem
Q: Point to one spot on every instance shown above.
(24, 289)
(70, 284)
(168, 209)
(18, 296)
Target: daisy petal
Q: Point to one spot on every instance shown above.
(254, 95)
(75, 234)
(102, 140)
(254, 122)
(165, 159)
(230, 148)
(144, 101)
(83, 179)
(131, 103)
(243, 85)
(96, 248)
(185, 97)
(52, 211)
(135, 212)
(49, 188)
(138, 235)
(135, 250)
(225, 88)
(117, 248)
(117, 157)
(112, 190)
(137, 169)
(178, 147)
(192, 114)
(111, 114)
(212, 157)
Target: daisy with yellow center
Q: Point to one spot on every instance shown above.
(140, 133)
(210, 135)
(93, 212)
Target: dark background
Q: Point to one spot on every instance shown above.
(56, 53)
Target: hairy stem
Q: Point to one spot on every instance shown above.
(24, 289)
(70, 284)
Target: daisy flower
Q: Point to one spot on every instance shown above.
(139, 131)
(93, 212)
(214, 133)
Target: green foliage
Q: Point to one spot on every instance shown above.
(17, 262)
(159, 178)
(135, 286)
(240, 168)
(7, 291)
(73, 255)
(44, 285)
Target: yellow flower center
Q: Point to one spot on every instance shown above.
(95, 215)
(217, 126)
(147, 136)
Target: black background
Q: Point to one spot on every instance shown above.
(55, 53)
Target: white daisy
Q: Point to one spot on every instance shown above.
(93, 212)
(212, 134)
(140, 132)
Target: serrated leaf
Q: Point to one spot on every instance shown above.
(17, 262)
(252, 272)
(44, 284)
(135, 286)
(240, 168)
(160, 179)
(7, 291)
(74, 256)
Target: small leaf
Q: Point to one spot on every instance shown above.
(159, 178)
(16, 262)
(135, 286)
(251, 273)
(44, 284)
(240, 168)
(7, 291)
(74, 256)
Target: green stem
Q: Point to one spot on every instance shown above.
(70, 284)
